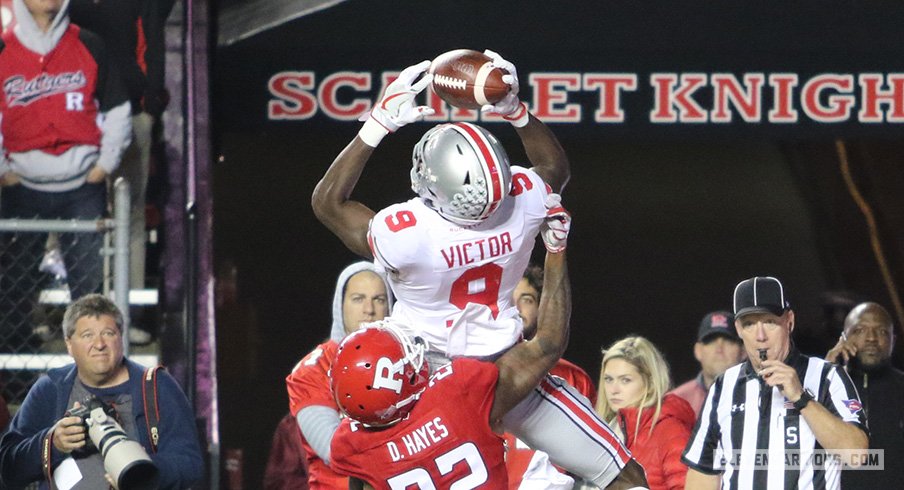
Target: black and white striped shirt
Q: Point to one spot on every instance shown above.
(751, 435)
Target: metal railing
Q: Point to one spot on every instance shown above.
(36, 288)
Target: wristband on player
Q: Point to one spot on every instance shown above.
(372, 132)
(520, 117)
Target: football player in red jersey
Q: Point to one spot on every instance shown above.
(454, 253)
(407, 429)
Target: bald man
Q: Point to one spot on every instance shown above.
(865, 348)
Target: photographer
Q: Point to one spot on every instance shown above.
(93, 330)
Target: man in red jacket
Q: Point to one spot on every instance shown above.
(54, 154)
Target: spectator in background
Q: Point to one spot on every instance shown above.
(654, 425)
(58, 83)
(521, 462)
(718, 348)
(865, 348)
(362, 295)
(133, 31)
(41, 437)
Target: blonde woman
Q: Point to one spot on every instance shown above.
(655, 427)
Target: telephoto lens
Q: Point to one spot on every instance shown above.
(124, 459)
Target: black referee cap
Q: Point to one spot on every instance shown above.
(760, 295)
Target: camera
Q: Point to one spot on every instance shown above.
(124, 459)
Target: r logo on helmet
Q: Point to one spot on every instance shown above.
(384, 375)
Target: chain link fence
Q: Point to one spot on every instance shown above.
(44, 265)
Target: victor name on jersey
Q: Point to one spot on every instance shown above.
(462, 254)
(419, 439)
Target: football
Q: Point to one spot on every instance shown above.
(465, 78)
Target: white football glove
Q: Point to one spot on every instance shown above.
(555, 228)
(510, 107)
(397, 107)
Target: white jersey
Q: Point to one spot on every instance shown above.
(453, 284)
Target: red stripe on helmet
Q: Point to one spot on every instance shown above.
(489, 157)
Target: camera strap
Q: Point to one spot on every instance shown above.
(46, 463)
(151, 408)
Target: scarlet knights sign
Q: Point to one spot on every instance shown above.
(610, 69)
(672, 98)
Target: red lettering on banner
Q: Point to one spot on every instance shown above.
(783, 110)
(551, 94)
(293, 99)
(671, 93)
(746, 99)
(837, 107)
(872, 96)
(610, 86)
(329, 100)
(824, 98)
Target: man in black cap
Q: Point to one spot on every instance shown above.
(779, 420)
(718, 348)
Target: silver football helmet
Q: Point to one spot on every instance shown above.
(461, 171)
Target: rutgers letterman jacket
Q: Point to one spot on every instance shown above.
(55, 85)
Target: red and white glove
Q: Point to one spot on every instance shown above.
(510, 107)
(555, 228)
(397, 107)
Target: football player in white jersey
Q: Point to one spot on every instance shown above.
(455, 253)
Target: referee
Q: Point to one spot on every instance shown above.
(780, 419)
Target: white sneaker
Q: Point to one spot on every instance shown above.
(44, 332)
(53, 264)
(138, 336)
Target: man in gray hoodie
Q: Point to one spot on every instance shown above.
(362, 295)
(64, 123)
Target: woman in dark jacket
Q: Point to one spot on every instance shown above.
(633, 381)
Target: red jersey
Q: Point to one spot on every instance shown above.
(49, 102)
(446, 440)
(518, 455)
(309, 384)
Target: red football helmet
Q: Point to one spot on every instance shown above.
(378, 373)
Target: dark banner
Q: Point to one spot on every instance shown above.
(669, 70)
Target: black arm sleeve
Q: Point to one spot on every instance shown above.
(110, 91)
(153, 24)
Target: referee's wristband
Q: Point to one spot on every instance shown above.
(372, 132)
